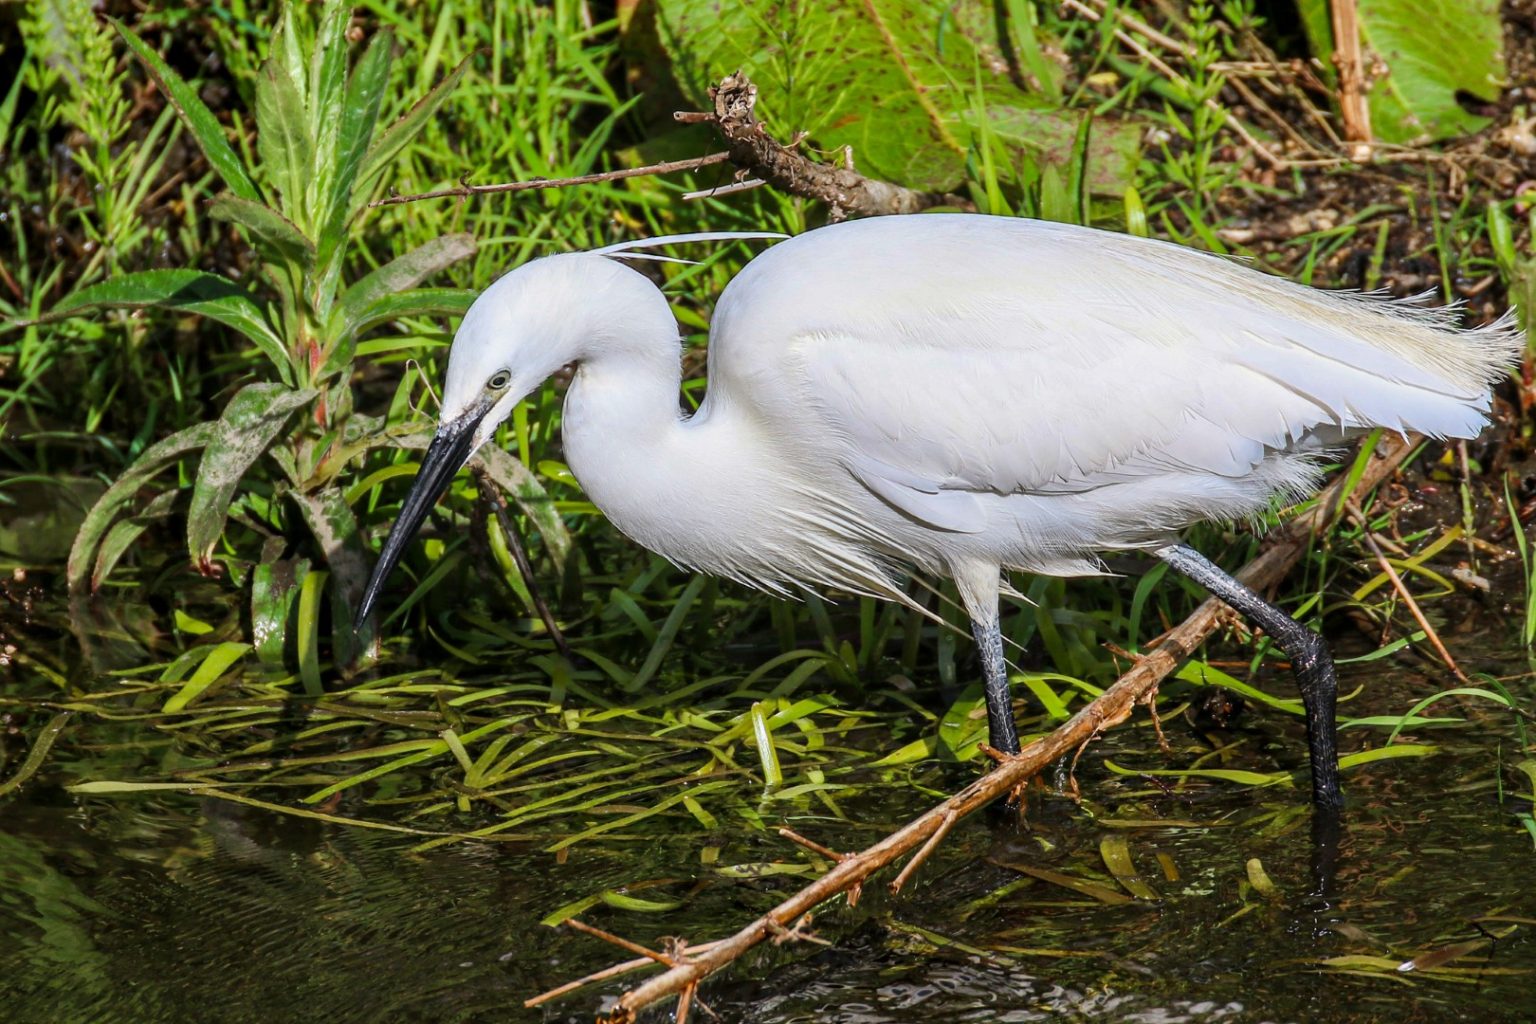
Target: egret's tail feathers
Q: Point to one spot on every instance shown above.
(1382, 362)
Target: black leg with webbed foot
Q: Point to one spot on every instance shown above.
(1309, 656)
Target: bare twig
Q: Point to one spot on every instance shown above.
(492, 495)
(754, 151)
(1284, 549)
(607, 972)
(621, 942)
(464, 191)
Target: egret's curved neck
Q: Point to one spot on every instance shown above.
(629, 371)
(624, 435)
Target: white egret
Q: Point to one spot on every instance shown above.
(959, 395)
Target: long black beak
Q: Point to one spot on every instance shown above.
(446, 455)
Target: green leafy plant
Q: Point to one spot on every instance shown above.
(319, 156)
(904, 83)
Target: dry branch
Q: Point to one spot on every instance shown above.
(846, 191)
(1285, 547)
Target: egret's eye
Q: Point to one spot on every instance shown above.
(499, 380)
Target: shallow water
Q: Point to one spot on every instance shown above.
(170, 907)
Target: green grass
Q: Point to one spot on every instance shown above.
(250, 680)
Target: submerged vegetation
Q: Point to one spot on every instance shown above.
(220, 342)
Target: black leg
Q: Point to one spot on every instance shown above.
(1309, 656)
(1001, 733)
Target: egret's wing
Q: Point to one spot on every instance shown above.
(1011, 356)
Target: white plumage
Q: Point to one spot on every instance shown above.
(958, 394)
(963, 393)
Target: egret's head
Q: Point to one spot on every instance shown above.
(516, 334)
(538, 318)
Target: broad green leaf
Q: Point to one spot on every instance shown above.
(250, 423)
(205, 128)
(282, 139)
(898, 81)
(357, 306)
(99, 519)
(191, 291)
(359, 115)
(276, 237)
(1430, 51)
(288, 50)
(962, 726)
(398, 135)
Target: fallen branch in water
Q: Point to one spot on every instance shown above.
(1285, 547)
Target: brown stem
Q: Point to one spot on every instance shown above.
(1286, 546)
(1346, 54)
(492, 495)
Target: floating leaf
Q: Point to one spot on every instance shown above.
(1102, 893)
(1260, 880)
(1237, 775)
(1116, 852)
(217, 661)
